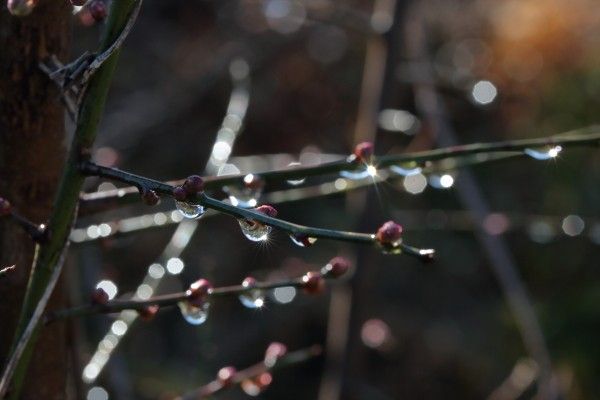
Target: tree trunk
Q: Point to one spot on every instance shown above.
(32, 153)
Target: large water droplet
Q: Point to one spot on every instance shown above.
(302, 240)
(362, 173)
(255, 231)
(254, 298)
(407, 169)
(295, 182)
(544, 153)
(189, 210)
(192, 314)
(247, 196)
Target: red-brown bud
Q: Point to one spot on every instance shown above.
(179, 193)
(5, 207)
(253, 182)
(193, 184)
(198, 292)
(313, 283)
(150, 197)
(98, 10)
(249, 282)
(226, 375)
(99, 296)
(389, 233)
(336, 267)
(274, 352)
(364, 151)
(266, 209)
(147, 313)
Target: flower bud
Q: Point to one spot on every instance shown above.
(313, 283)
(150, 197)
(5, 207)
(274, 352)
(226, 375)
(99, 296)
(147, 313)
(363, 151)
(389, 233)
(198, 292)
(98, 10)
(336, 267)
(179, 193)
(193, 184)
(266, 209)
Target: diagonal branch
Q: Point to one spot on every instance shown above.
(144, 183)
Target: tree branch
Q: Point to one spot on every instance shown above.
(589, 136)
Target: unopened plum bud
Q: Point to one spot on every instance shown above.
(179, 193)
(336, 267)
(268, 210)
(99, 296)
(198, 292)
(193, 184)
(150, 197)
(226, 375)
(390, 233)
(98, 10)
(147, 313)
(364, 151)
(313, 283)
(274, 352)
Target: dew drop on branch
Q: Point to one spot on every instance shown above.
(298, 181)
(254, 231)
(407, 169)
(362, 173)
(302, 240)
(188, 210)
(544, 153)
(192, 314)
(254, 298)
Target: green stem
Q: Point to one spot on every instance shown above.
(67, 197)
(138, 181)
(589, 136)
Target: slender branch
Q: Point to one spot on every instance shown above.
(48, 259)
(253, 371)
(92, 169)
(4, 272)
(589, 136)
(170, 299)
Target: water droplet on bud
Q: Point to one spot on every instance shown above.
(254, 298)
(302, 240)
(544, 153)
(254, 231)
(189, 210)
(356, 175)
(192, 314)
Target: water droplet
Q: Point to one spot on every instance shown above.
(248, 195)
(189, 210)
(254, 231)
(356, 175)
(407, 169)
(192, 314)
(295, 182)
(302, 240)
(445, 181)
(544, 153)
(254, 298)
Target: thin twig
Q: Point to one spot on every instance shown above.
(253, 371)
(167, 300)
(589, 136)
(92, 169)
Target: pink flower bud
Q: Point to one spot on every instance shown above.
(198, 292)
(226, 375)
(98, 10)
(179, 193)
(364, 151)
(274, 352)
(150, 197)
(336, 267)
(268, 210)
(148, 313)
(99, 296)
(193, 184)
(389, 233)
(313, 283)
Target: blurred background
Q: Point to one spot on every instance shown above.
(217, 87)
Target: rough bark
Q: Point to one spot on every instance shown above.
(32, 153)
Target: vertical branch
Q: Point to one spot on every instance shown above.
(48, 254)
